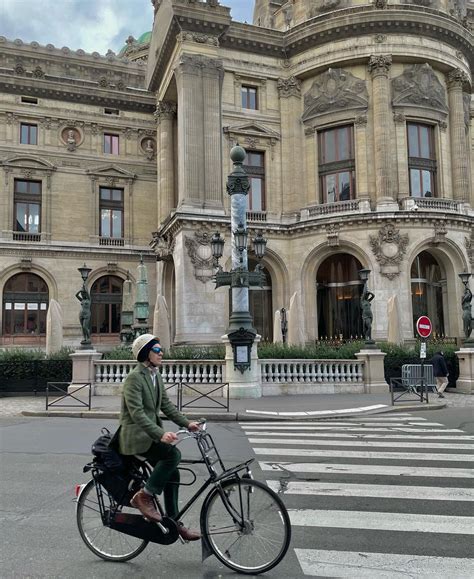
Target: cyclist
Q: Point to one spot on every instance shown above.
(142, 433)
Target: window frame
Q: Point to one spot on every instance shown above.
(421, 164)
(111, 137)
(256, 172)
(111, 205)
(28, 199)
(245, 97)
(29, 127)
(337, 166)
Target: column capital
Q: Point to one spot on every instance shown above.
(399, 118)
(360, 120)
(165, 110)
(288, 87)
(197, 63)
(457, 79)
(380, 64)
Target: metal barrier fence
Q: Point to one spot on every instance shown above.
(200, 395)
(66, 394)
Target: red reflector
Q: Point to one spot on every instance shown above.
(78, 489)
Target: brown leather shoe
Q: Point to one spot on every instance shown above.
(187, 534)
(144, 503)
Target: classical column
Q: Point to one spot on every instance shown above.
(379, 68)
(458, 132)
(312, 176)
(362, 173)
(402, 155)
(444, 162)
(199, 82)
(289, 91)
(164, 115)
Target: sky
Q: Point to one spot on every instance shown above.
(93, 25)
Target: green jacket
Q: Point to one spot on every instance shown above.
(140, 420)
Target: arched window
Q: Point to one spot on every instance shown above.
(25, 303)
(426, 291)
(106, 294)
(260, 305)
(338, 294)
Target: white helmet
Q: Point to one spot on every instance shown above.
(142, 345)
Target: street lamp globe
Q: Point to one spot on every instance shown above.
(217, 245)
(364, 274)
(240, 236)
(259, 243)
(84, 271)
(465, 275)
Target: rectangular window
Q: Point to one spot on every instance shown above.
(255, 169)
(111, 212)
(29, 100)
(422, 164)
(27, 201)
(111, 144)
(337, 164)
(249, 97)
(108, 111)
(28, 134)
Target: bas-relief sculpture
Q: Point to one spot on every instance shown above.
(418, 85)
(200, 254)
(334, 90)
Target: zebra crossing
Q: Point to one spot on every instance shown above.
(374, 496)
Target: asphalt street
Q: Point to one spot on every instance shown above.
(375, 496)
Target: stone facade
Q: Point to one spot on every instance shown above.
(375, 71)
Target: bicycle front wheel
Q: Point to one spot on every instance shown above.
(247, 526)
(103, 541)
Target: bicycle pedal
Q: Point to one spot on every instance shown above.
(183, 541)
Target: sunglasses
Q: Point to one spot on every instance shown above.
(157, 349)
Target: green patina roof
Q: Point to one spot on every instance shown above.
(143, 39)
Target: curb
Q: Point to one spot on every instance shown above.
(235, 416)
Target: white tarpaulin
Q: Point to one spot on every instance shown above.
(295, 332)
(393, 317)
(161, 322)
(54, 327)
(277, 335)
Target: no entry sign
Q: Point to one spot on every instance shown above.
(424, 327)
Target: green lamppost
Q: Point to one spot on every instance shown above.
(241, 332)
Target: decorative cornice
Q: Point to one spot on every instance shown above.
(379, 64)
(198, 38)
(288, 87)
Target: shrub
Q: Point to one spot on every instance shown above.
(119, 353)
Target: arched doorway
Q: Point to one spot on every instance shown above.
(261, 305)
(25, 304)
(427, 281)
(106, 294)
(338, 293)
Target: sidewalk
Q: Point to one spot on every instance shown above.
(303, 407)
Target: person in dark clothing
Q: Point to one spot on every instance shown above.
(440, 371)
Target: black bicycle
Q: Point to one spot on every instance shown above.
(243, 522)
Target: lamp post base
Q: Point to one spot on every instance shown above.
(245, 384)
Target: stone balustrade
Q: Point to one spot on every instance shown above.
(277, 376)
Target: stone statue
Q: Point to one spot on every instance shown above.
(149, 150)
(466, 312)
(366, 309)
(71, 140)
(85, 314)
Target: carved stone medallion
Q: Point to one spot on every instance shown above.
(389, 248)
(200, 253)
(419, 85)
(334, 90)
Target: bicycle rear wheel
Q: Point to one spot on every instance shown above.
(256, 536)
(103, 541)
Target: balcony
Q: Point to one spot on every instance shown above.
(25, 236)
(431, 204)
(258, 216)
(112, 241)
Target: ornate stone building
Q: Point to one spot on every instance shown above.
(357, 121)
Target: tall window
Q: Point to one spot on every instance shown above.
(249, 97)
(28, 134)
(338, 297)
(337, 164)
(427, 292)
(111, 144)
(421, 160)
(25, 303)
(106, 294)
(255, 169)
(111, 212)
(27, 200)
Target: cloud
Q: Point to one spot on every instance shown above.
(93, 25)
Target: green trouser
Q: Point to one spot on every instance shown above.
(165, 476)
